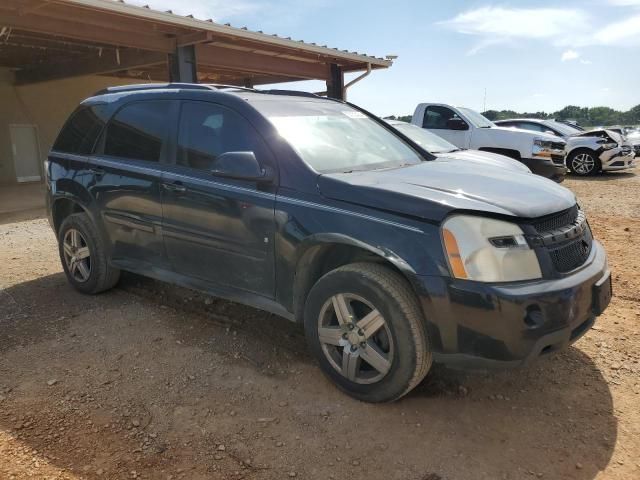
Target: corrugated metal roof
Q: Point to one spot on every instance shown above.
(189, 21)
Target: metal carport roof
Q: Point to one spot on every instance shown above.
(49, 39)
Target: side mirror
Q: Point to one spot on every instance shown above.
(241, 166)
(457, 124)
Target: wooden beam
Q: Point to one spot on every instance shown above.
(109, 62)
(194, 38)
(88, 33)
(225, 58)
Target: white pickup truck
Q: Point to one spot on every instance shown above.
(541, 152)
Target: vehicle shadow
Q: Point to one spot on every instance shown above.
(147, 378)
(602, 176)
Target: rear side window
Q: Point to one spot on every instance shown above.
(534, 127)
(80, 132)
(138, 131)
(208, 130)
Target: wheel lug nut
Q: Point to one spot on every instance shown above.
(351, 327)
(344, 335)
(363, 344)
(353, 348)
(361, 332)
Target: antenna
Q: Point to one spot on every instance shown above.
(484, 105)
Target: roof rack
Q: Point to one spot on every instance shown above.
(224, 86)
(200, 86)
(296, 93)
(155, 86)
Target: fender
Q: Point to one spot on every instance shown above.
(69, 189)
(308, 267)
(320, 239)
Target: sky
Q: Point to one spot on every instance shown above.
(527, 55)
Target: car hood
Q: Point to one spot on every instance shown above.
(432, 189)
(528, 133)
(484, 158)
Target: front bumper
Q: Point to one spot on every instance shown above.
(478, 325)
(617, 159)
(547, 167)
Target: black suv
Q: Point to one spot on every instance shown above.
(320, 212)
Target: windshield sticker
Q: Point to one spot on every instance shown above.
(352, 114)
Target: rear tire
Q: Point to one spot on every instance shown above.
(365, 327)
(583, 163)
(83, 256)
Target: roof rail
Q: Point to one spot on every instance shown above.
(154, 86)
(224, 86)
(296, 93)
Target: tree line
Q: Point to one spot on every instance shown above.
(588, 117)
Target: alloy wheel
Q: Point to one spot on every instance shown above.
(355, 338)
(583, 164)
(76, 255)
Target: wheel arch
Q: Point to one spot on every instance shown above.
(581, 148)
(322, 253)
(575, 151)
(62, 207)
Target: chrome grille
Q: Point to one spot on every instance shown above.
(573, 254)
(557, 220)
(566, 237)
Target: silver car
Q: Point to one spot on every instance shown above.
(587, 152)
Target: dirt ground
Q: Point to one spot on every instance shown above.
(149, 381)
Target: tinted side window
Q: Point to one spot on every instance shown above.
(208, 130)
(80, 132)
(534, 127)
(138, 131)
(437, 117)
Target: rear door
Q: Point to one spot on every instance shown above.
(125, 182)
(216, 229)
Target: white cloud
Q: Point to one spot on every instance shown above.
(623, 33)
(569, 55)
(625, 3)
(504, 25)
(585, 61)
(557, 26)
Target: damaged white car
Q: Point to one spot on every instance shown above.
(587, 152)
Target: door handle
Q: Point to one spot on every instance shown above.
(174, 187)
(98, 172)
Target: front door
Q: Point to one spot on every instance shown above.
(26, 152)
(438, 118)
(218, 229)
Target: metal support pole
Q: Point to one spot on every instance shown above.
(335, 86)
(183, 65)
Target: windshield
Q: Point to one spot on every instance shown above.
(333, 137)
(563, 128)
(429, 141)
(479, 120)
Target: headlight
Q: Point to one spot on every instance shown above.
(488, 250)
(538, 142)
(607, 145)
(544, 148)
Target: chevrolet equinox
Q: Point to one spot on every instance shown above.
(316, 210)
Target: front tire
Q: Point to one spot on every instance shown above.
(83, 256)
(583, 163)
(366, 329)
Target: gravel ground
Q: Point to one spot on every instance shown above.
(151, 381)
